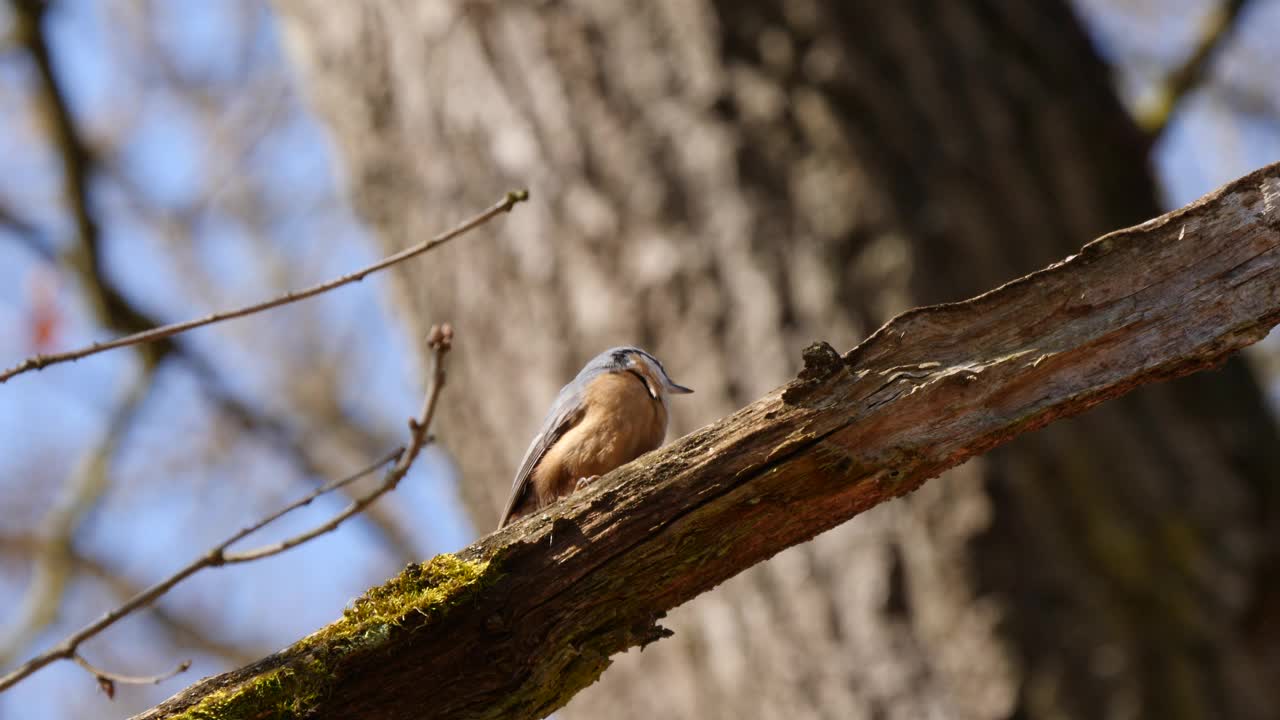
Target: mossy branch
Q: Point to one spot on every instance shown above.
(514, 625)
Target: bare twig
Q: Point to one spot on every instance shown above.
(440, 340)
(264, 426)
(323, 489)
(68, 647)
(40, 362)
(107, 680)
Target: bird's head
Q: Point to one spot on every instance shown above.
(647, 367)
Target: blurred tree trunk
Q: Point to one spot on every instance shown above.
(722, 182)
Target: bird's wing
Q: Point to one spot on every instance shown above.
(565, 413)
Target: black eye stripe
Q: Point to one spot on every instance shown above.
(645, 381)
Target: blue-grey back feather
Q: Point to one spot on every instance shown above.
(566, 412)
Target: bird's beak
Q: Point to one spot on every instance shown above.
(677, 389)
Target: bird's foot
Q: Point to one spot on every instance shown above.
(584, 481)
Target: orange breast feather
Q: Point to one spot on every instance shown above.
(622, 422)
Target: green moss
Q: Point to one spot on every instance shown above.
(281, 694)
(424, 593)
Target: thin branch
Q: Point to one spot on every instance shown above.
(441, 341)
(1216, 28)
(107, 680)
(73, 151)
(265, 427)
(307, 500)
(39, 362)
(67, 648)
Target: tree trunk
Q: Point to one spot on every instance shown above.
(722, 182)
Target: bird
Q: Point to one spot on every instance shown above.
(612, 412)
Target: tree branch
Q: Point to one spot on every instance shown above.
(1154, 114)
(73, 152)
(514, 625)
(107, 679)
(441, 342)
(419, 439)
(39, 362)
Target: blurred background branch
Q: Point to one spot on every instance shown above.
(84, 487)
(180, 630)
(1216, 27)
(54, 565)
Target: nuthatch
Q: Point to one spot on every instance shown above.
(613, 412)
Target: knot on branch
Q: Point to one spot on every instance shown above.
(821, 362)
(516, 196)
(440, 337)
(820, 359)
(644, 634)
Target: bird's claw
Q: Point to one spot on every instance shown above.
(584, 481)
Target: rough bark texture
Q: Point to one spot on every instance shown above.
(723, 182)
(516, 624)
